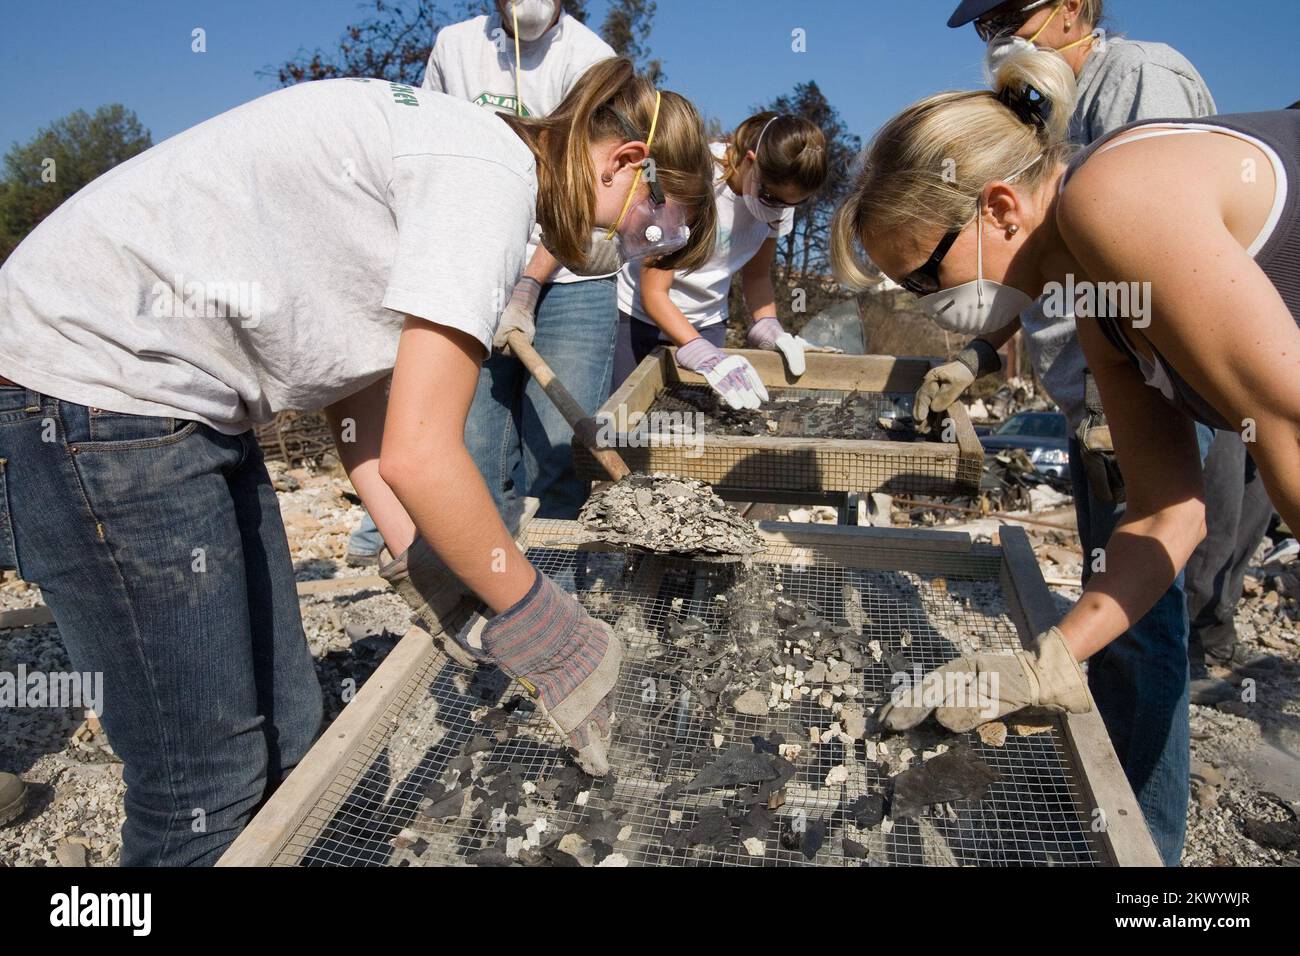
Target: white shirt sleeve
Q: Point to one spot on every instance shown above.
(433, 75)
(462, 233)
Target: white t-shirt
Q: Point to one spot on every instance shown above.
(475, 60)
(702, 294)
(263, 260)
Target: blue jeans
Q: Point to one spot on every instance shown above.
(1140, 681)
(366, 539)
(158, 545)
(516, 436)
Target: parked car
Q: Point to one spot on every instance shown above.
(1043, 436)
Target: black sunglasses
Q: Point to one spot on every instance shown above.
(925, 280)
(1005, 24)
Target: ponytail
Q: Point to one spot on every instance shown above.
(925, 170)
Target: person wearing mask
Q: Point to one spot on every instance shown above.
(1163, 203)
(768, 167)
(137, 497)
(522, 60)
(1118, 81)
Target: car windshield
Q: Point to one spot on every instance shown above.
(1034, 425)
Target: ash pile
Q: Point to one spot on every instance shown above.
(854, 415)
(670, 515)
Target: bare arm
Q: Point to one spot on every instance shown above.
(542, 265)
(1164, 519)
(1003, 335)
(425, 463)
(756, 282)
(358, 425)
(655, 284)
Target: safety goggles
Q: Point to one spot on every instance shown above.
(655, 226)
(1008, 22)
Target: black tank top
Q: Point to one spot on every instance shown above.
(1279, 258)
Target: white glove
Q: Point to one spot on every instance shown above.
(767, 334)
(519, 313)
(731, 376)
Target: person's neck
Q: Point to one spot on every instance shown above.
(1052, 256)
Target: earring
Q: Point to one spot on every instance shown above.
(1012, 230)
(607, 179)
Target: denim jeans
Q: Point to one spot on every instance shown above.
(366, 539)
(1140, 681)
(516, 436)
(157, 543)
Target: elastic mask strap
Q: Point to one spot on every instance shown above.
(636, 180)
(519, 96)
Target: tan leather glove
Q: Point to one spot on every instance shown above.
(942, 386)
(974, 690)
(431, 591)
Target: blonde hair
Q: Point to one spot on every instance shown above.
(611, 101)
(927, 167)
(792, 151)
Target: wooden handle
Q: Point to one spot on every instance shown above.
(573, 413)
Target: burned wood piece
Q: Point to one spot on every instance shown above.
(956, 774)
(736, 767)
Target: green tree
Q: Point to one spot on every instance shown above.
(627, 29)
(40, 174)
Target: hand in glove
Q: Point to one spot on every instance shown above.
(519, 313)
(567, 660)
(431, 591)
(946, 383)
(731, 376)
(768, 334)
(970, 691)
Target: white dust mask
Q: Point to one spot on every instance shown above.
(978, 307)
(532, 18)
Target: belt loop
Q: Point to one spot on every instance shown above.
(35, 401)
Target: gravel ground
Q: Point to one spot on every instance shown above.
(1243, 762)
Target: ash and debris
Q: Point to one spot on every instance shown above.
(667, 514)
(857, 415)
(1244, 770)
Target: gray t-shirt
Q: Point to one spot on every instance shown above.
(264, 260)
(1122, 82)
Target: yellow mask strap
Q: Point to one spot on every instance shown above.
(519, 97)
(1069, 46)
(636, 180)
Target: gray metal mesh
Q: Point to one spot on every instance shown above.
(784, 466)
(1031, 816)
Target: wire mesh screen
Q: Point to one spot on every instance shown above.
(378, 810)
(786, 461)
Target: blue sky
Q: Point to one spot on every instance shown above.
(871, 57)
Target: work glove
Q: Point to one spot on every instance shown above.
(431, 591)
(768, 334)
(946, 383)
(970, 691)
(519, 313)
(566, 660)
(731, 376)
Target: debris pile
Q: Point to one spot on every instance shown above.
(857, 415)
(667, 514)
